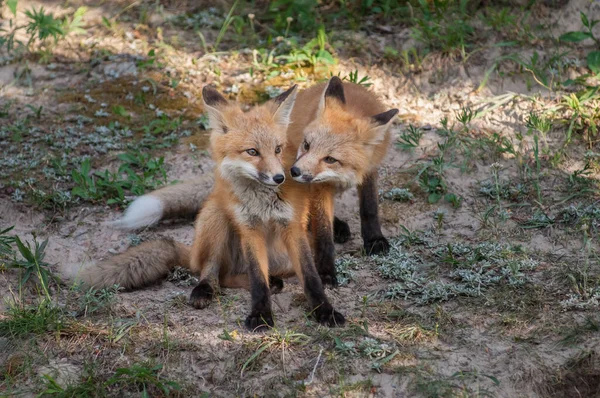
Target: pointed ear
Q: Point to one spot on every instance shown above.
(285, 103)
(334, 90)
(382, 122)
(213, 105)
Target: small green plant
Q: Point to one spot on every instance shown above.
(296, 16)
(439, 215)
(137, 173)
(399, 195)
(410, 138)
(593, 58)
(33, 264)
(7, 252)
(344, 267)
(42, 26)
(352, 77)
(444, 26)
(277, 339)
(583, 118)
(313, 53)
(226, 23)
(22, 320)
(96, 300)
(433, 185)
(145, 378)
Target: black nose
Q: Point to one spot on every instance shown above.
(278, 178)
(295, 171)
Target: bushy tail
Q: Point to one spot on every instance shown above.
(173, 201)
(142, 265)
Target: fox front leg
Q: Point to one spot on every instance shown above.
(256, 257)
(304, 267)
(373, 240)
(321, 226)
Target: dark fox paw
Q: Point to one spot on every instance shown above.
(341, 231)
(259, 321)
(202, 295)
(329, 279)
(377, 246)
(326, 315)
(276, 284)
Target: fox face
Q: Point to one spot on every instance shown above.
(339, 147)
(249, 145)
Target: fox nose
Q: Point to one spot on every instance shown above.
(295, 172)
(278, 178)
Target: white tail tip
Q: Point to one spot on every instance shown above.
(142, 212)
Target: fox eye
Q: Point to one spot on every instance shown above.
(252, 152)
(278, 150)
(330, 160)
(306, 145)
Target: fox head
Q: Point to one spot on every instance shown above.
(339, 147)
(249, 145)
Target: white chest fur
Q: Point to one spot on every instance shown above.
(260, 204)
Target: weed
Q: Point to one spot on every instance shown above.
(32, 263)
(399, 195)
(593, 58)
(22, 320)
(439, 215)
(277, 339)
(313, 53)
(96, 300)
(444, 26)
(433, 184)
(352, 77)
(141, 172)
(85, 388)
(409, 238)
(43, 25)
(410, 138)
(7, 252)
(582, 117)
(144, 377)
(226, 23)
(344, 265)
(298, 16)
(475, 268)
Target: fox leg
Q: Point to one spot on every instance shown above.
(373, 240)
(341, 231)
(321, 226)
(206, 255)
(302, 261)
(257, 260)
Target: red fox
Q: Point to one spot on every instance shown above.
(341, 133)
(250, 226)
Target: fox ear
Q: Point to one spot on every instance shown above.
(285, 103)
(382, 122)
(334, 90)
(213, 102)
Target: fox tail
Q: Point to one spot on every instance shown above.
(174, 201)
(140, 266)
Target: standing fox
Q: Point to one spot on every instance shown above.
(338, 137)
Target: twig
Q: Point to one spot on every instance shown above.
(312, 374)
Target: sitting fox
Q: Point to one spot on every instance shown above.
(338, 137)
